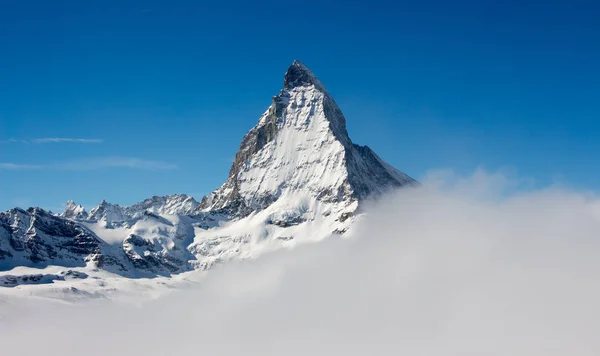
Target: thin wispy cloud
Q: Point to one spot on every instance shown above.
(53, 140)
(93, 164)
(17, 166)
(63, 139)
(115, 162)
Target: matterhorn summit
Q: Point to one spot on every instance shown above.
(297, 177)
(299, 150)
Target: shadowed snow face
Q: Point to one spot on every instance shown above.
(451, 269)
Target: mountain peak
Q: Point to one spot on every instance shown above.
(300, 149)
(74, 211)
(298, 75)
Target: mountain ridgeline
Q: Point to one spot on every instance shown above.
(296, 177)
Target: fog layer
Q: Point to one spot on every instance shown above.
(456, 267)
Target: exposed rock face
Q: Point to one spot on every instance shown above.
(13, 281)
(34, 236)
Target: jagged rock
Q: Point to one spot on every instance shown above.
(38, 237)
(345, 216)
(39, 278)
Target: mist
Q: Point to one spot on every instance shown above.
(479, 265)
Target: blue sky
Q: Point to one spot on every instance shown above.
(153, 97)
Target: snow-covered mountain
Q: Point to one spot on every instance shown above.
(36, 238)
(74, 211)
(177, 204)
(108, 213)
(300, 146)
(297, 177)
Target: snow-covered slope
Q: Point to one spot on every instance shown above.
(297, 177)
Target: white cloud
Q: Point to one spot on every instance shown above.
(63, 139)
(94, 163)
(17, 166)
(13, 140)
(115, 162)
(53, 140)
(439, 270)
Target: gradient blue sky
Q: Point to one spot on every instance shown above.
(168, 88)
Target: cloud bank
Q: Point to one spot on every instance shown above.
(94, 163)
(453, 269)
